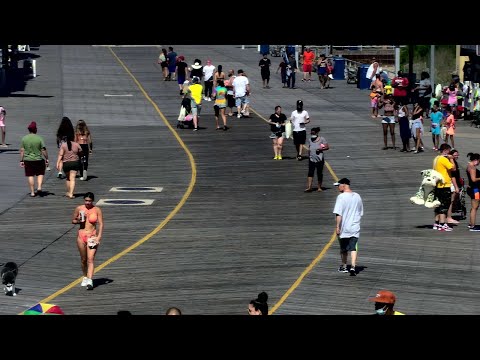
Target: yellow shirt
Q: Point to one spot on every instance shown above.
(195, 91)
(442, 165)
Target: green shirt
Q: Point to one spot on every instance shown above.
(33, 145)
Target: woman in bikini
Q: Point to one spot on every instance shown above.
(219, 75)
(84, 138)
(89, 236)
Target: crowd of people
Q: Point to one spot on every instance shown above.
(204, 83)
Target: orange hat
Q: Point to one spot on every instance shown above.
(384, 296)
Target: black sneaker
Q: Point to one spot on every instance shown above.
(342, 269)
(352, 271)
(475, 228)
(89, 284)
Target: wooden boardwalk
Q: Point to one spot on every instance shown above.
(230, 222)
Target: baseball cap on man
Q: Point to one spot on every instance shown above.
(384, 296)
(344, 181)
(33, 125)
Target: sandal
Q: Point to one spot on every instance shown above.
(307, 190)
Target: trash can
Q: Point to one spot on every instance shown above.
(339, 68)
(264, 49)
(362, 81)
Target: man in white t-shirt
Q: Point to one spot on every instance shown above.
(373, 70)
(241, 90)
(208, 71)
(349, 211)
(300, 119)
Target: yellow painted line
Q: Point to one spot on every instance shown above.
(172, 213)
(303, 274)
(316, 260)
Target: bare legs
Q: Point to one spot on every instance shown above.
(87, 258)
(3, 136)
(277, 147)
(70, 183)
(473, 212)
(392, 134)
(353, 255)
(31, 184)
(451, 139)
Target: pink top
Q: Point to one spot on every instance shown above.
(71, 155)
(452, 96)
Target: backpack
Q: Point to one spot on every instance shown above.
(388, 89)
(186, 103)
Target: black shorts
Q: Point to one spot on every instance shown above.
(444, 195)
(71, 166)
(216, 109)
(348, 244)
(299, 137)
(34, 168)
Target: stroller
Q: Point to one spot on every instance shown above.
(185, 117)
(458, 206)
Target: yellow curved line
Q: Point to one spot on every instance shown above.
(316, 260)
(303, 274)
(172, 213)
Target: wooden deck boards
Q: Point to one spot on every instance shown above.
(247, 226)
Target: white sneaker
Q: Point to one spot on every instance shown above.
(89, 284)
(84, 281)
(239, 116)
(84, 177)
(205, 98)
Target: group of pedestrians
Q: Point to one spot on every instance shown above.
(198, 83)
(74, 147)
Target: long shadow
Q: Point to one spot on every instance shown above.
(430, 226)
(359, 269)
(30, 95)
(2, 150)
(101, 281)
(43, 193)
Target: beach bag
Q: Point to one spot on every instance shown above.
(443, 132)
(288, 129)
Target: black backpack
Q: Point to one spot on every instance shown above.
(187, 105)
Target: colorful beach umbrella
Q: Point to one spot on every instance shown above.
(44, 309)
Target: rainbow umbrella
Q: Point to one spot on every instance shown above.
(44, 309)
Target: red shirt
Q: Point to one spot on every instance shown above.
(401, 88)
